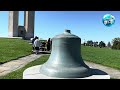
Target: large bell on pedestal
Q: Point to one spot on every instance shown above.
(65, 60)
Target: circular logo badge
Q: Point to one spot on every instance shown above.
(108, 20)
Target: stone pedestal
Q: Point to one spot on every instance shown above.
(34, 73)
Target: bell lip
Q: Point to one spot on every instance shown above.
(66, 74)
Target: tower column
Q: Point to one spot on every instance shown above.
(13, 24)
(29, 23)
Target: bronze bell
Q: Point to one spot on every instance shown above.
(65, 60)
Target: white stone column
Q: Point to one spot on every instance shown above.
(13, 24)
(29, 17)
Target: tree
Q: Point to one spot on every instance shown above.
(90, 43)
(84, 44)
(109, 45)
(116, 43)
(101, 44)
(116, 40)
(95, 44)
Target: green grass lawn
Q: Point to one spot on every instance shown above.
(104, 56)
(19, 73)
(13, 48)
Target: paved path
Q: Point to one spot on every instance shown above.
(16, 64)
(114, 73)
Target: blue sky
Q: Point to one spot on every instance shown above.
(85, 24)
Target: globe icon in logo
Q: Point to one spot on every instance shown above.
(108, 20)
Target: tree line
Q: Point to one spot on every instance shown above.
(100, 44)
(114, 45)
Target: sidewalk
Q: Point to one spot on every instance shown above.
(114, 73)
(16, 64)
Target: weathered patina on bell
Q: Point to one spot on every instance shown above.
(65, 60)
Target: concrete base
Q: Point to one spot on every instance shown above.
(33, 73)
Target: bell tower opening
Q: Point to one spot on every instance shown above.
(21, 29)
(21, 18)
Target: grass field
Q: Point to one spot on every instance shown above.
(104, 56)
(13, 48)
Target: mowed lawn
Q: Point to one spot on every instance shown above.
(11, 49)
(104, 56)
